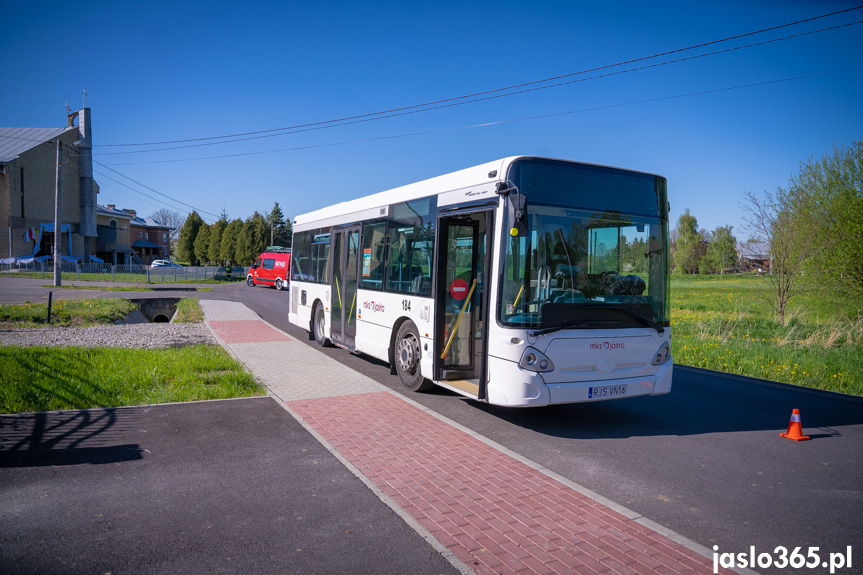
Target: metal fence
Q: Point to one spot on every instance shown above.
(128, 273)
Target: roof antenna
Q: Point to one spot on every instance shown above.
(68, 109)
(84, 94)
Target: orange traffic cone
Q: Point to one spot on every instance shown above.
(795, 428)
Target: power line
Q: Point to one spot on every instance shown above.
(125, 193)
(407, 111)
(486, 124)
(673, 97)
(139, 192)
(149, 188)
(486, 92)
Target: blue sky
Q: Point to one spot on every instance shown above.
(165, 71)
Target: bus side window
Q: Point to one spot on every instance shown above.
(372, 268)
(300, 263)
(320, 249)
(411, 244)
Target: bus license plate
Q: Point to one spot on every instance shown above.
(606, 391)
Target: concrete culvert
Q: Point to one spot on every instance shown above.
(152, 310)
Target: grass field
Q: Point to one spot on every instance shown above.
(37, 379)
(75, 313)
(58, 378)
(725, 322)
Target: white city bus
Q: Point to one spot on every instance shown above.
(522, 282)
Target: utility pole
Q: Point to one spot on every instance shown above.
(57, 275)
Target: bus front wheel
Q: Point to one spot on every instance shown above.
(407, 358)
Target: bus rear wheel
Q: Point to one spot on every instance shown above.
(318, 325)
(407, 358)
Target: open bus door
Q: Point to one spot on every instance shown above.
(461, 303)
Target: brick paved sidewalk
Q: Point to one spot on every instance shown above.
(492, 510)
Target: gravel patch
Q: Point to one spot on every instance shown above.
(149, 335)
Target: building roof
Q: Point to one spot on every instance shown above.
(133, 221)
(754, 250)
(148, 223)
(105, 210)
(16, 141)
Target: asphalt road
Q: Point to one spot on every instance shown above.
(232, 486)
(706, 460)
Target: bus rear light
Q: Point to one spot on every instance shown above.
(663, 355)
(534, 360)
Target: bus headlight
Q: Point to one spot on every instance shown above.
(663, 355)
(534, 360)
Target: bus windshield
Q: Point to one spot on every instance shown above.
(595, 254)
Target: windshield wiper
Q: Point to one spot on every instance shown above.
(575, 324)
(568, 325)
(643, 319)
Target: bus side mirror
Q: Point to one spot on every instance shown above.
(518, 214)
(517, 206)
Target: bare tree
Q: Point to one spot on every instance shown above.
(780, 221)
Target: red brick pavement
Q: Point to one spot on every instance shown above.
(496, 514)
(247, 331)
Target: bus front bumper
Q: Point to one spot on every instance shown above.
(516, 387)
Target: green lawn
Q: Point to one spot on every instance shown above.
(37, 379)
(725, 322)
(65, 312)
(58, 378)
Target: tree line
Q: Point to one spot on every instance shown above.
(231, 242)
(810, 230)
(697, 251)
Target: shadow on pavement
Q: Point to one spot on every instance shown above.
(63, 438)
(691, 409)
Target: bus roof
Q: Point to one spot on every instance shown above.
(372, 206)
(476, 175)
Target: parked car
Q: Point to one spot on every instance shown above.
(164, 264)
(271, 268)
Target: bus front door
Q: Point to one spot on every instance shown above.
(345, 258)
(462, 302)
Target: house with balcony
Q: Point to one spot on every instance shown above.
(113, 244)
(126, 239)
(151, 240)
